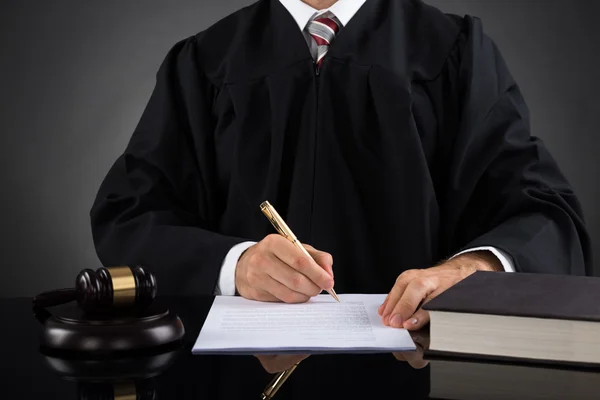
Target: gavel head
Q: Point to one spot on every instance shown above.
(115, 287)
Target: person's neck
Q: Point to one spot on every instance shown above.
(320, 4)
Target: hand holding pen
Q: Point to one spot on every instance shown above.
(287, 234)
(280, 269)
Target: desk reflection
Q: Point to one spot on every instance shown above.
(178, 374)
(317, 377)
(181, 375)
(284, 365)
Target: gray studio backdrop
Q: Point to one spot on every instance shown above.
(75, 77)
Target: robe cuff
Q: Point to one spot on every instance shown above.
(503, 257)
(226, 283)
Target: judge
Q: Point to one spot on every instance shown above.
(390, 136)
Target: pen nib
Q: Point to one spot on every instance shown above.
(334, 295)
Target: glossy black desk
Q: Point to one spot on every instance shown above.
(175, 373)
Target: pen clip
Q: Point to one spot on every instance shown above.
(279, 228)
(270, 213)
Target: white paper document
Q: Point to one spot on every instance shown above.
(321, 325)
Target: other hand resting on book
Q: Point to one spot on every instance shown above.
(401, 308)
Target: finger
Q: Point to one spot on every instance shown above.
(282, 292)
(417, 290)
(417, 321)
(415, 359)
(382, 306)
(295, 258)
(393, 297)
(261, 295)
(396, 293)
(324, 259)
(291, 278)
(421, 317)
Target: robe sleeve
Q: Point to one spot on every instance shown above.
(158, 205)
(503, 187)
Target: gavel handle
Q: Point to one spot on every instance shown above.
(54, 297)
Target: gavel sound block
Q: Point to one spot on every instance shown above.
(110, 311)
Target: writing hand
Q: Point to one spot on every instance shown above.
(276, 363)
(399, 309)
(276, 270)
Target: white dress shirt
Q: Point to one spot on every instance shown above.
(344, 10)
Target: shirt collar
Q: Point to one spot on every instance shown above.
(344, 10)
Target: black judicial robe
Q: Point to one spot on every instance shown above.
(411, 143)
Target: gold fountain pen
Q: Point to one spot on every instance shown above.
(286, 232)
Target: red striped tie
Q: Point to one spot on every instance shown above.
(323, 29)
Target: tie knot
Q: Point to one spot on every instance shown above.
(323, 27)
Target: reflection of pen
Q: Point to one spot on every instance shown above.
(276, 383)
(286, 232)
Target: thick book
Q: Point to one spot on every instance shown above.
(539, 318)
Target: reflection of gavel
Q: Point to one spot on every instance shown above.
(276, 383)
(119, 390)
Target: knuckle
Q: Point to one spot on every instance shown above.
(412, 273)
(328, 259)
(419, 283)
(258, 247)
(271, 239)
(300, 263)
(252, 277)
(256, 258)
(409, 274)
(424, 282)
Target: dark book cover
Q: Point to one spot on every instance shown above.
(566, 297)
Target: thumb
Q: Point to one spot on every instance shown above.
(323, 259)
